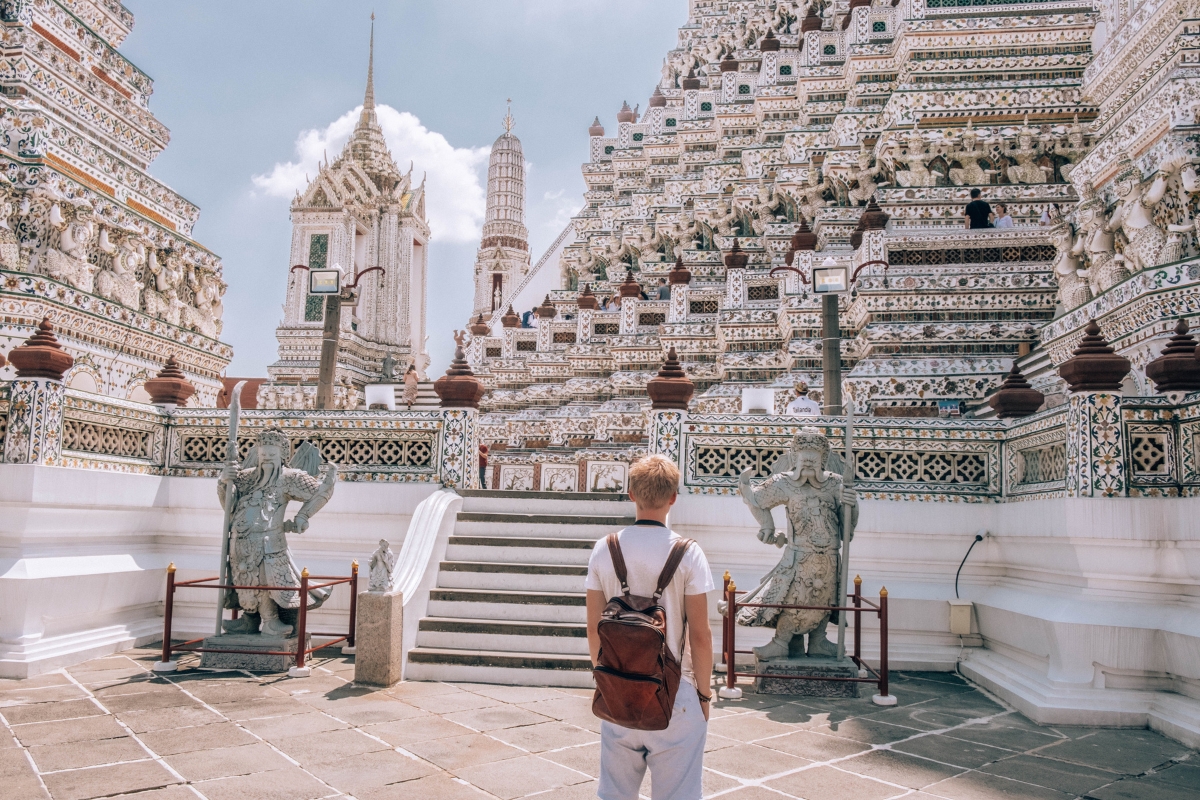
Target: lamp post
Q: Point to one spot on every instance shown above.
(829, 281)
(328, 282)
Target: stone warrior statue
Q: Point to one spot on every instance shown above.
(258, 547)
(807, 574)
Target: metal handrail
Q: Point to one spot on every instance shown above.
(729, 637)
(302, 633)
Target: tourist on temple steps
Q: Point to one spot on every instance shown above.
(978, 213)
(483, 454)
(664, 289)
(675, 755)
(1003, 218)
(525, 319)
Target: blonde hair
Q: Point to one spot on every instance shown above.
(653, 481)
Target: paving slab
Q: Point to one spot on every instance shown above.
(78, 784)
(74, 730)
(829, 783)
(225, 762)
(74, 755)
(290, 783)
(518, 777)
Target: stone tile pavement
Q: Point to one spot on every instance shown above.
(111, 728)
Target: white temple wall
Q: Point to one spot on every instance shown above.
(83, 555)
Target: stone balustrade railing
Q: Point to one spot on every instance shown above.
(88, 431)
(1097, 445)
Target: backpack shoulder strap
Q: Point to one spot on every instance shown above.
(618, 561)
(676, 555)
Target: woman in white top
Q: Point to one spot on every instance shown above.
(1003, 218)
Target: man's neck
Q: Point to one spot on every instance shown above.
(658, 515)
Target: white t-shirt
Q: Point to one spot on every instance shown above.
(645, 548)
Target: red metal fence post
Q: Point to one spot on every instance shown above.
(724, 622)
(883, 698)
(353, 600)
(730, 691)
(165, 665)
(303, 618)
(858, 619)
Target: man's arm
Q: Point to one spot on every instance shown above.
(595, 607)
(695, 609)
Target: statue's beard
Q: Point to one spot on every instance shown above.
(265, 476)
(808, 475)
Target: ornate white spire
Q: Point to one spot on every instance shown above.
(367, 145)
(368, 112)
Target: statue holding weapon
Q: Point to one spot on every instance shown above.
(255, 548)
(822, 510)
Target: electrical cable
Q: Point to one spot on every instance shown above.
(978, 539)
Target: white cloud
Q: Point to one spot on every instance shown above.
(455, 197)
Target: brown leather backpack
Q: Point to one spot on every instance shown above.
(637, 677)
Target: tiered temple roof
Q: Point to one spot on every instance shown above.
(770, 113)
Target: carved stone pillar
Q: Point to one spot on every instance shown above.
(35, 418)
(459, 455)
(1095, 446)
(666, 436)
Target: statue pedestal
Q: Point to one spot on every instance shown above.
(379, 638)
(257, 661)
(381, 394)
(805, 667)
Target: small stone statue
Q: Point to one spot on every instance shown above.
(1134, 215)
(807, 574)
(388, 370)
(258, 547)
(383, 564)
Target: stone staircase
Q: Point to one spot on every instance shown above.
(509, 603)
(427, 398)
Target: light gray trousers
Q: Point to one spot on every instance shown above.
(675, 756)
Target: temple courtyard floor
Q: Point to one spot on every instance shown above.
(111, 728)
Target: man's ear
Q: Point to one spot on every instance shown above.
(631, 497)
(674, 497)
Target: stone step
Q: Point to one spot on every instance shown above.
(483, 666)
(601, 503)
(552, 638)
(519, 550)
(576, 526)
(511, 576)
(492, 604)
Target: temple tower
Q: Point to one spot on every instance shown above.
(503, 258)
(359, 212)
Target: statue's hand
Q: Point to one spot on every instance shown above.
(297, 525)
(849, 497)
(228, 473)
(766, 535)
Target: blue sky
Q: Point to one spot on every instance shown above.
(253, 90)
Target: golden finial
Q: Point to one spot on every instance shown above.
(727, 576)
(858, 580)
(732, 586)
(883, 592)
(171, 568)
(304, 572)
(354, 564)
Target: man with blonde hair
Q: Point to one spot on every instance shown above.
(675, 755)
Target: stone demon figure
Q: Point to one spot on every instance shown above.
(807, 574)
(258, 547)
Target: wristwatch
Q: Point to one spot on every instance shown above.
(704, 699)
